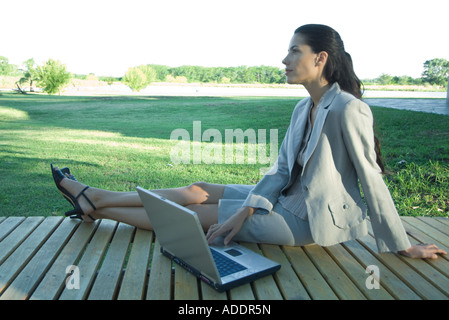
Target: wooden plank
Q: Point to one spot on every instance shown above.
(20, 257)
(388, 279)
(209, 293)
(357, 273)
(16, 237)
(107, 281)
(30, 276)
(408, 275)
(438, 228)
(289, 284)
(442, 220)
(8, 225)
(414, 232)
(437, 224)
(335, 277)
(159, 283)
(429, 230)
(442, 264)
(186, 284)
(434, 271)
(436, 278)
(311, 278)
(39, 251)
(90, 261)
(54, 280)
(136, 273)
(243, 292)
(264, 288)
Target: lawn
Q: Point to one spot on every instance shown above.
(120, 142)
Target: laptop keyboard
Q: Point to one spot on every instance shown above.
(225, 265)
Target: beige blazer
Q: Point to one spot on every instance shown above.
(340, 154)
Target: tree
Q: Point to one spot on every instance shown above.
(138, 78)
(108, 79)
(385, 79)
(241, 74)
(53, 77)
(7, 69)
(149, 73)
(135, 79)
(436, 71)
(161, 71)
(30, 73)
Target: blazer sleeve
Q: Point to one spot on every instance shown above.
(266, 193)
(358, 135)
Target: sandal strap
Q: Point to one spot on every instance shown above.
(85, 197)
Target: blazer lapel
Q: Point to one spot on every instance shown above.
(297, 135)
(320, 119)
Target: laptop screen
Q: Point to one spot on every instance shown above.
(179, 232)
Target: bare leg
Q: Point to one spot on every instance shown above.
(137, 216)
(127, 207)
(197, 193)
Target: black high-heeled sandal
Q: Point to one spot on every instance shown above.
(66, 172)
(77, 213)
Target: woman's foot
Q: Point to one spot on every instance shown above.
(78, 194)
(67, 173)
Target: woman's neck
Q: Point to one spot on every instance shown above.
(317, 90)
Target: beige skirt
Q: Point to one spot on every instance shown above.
(278, 226)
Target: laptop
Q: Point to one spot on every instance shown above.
(182, 239)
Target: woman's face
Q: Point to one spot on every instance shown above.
(301, 65)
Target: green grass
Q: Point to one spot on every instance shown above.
(120, 142)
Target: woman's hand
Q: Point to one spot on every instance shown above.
(230, 226)
(423, 251)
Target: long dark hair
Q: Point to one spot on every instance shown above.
(339, 67)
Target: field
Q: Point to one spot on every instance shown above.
(120, 142)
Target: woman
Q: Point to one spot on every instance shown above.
(312, 193)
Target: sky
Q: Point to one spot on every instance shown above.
(107, 37)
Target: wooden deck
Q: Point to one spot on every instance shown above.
(116, 261)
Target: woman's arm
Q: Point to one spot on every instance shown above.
(263, 196)
(266, 193)
(357, 131)
(230, 226)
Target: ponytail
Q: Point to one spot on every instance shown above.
(347, 79)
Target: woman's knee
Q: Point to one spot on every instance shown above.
(197, 192)
(198, 186)
(204, 192)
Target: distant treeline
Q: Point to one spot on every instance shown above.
(230, 75)
(386, 79)
(436, 72)
(266, 75)
(241, 74)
